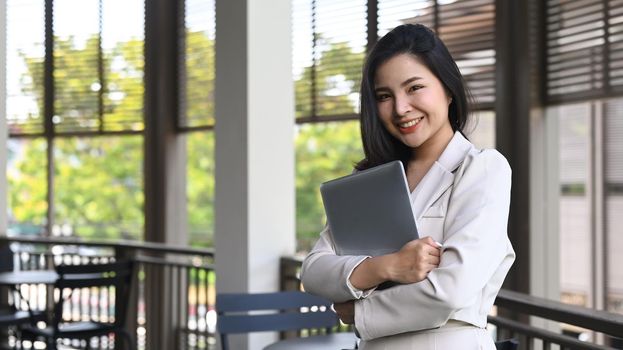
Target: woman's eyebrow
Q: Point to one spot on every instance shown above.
(410, 80)
(406, 82)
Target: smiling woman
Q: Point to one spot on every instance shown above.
(414, 109)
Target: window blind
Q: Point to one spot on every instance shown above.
(77, 59)
(97, 73)
(198, 71)
(467, 28)
(25, 56)
(98, 66)
(615, 39)
(329, 41)
(584, 49)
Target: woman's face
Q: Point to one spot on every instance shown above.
(411, 101)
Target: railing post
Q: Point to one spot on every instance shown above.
(162, 325)
(131, 325)
(4, 292)
(288, 274)
(288, 280)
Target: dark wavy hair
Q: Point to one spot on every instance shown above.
(378, 144)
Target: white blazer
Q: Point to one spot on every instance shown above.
(463, 201)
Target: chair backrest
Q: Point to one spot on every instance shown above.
(6, 258)
(510, 344)
(295, 310)
(113, 277)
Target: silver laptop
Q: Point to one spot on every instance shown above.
(369, 212)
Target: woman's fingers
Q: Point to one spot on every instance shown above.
(434, 260)
(434, 251)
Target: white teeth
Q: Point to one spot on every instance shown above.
(409, 123)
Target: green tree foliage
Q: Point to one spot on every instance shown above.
(337, 80)
(98, 186)
(200, 188)
(27, 190)
(324, 151)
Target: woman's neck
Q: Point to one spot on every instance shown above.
(431, 150)
(425, 156)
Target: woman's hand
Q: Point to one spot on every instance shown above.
(345, 311)
(408, 265)
(414, 261)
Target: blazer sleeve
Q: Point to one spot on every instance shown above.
(326, 274)
(475, 246)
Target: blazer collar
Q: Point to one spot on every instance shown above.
(440, 176)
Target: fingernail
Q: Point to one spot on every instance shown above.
(439, 244)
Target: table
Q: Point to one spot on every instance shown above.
(15, 278)
(333, 341)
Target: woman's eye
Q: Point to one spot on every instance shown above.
(415, 88)
(382, 97)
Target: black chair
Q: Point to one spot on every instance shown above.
(10, 316)
(115, 278)
(233, 317)
(509, 344)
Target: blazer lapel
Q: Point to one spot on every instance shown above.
(440, 176)
(432, 186)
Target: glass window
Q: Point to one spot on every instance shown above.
(575, 233)
(197, 77)
(482, 133)
(98, 187)
(329, 41)
(324, 151)
(98, 65)
(613, 141)
(27, 186)
(200, 188)
(197, 118)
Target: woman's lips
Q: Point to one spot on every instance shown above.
(408, 127)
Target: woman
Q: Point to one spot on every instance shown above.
(414, 109)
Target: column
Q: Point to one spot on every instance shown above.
(164, 166)
(512, 108)
(254, 184)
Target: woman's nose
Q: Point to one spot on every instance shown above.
(402, 105)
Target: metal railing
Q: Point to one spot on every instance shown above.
(172, 306)
(606, 328)
(173, 303)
